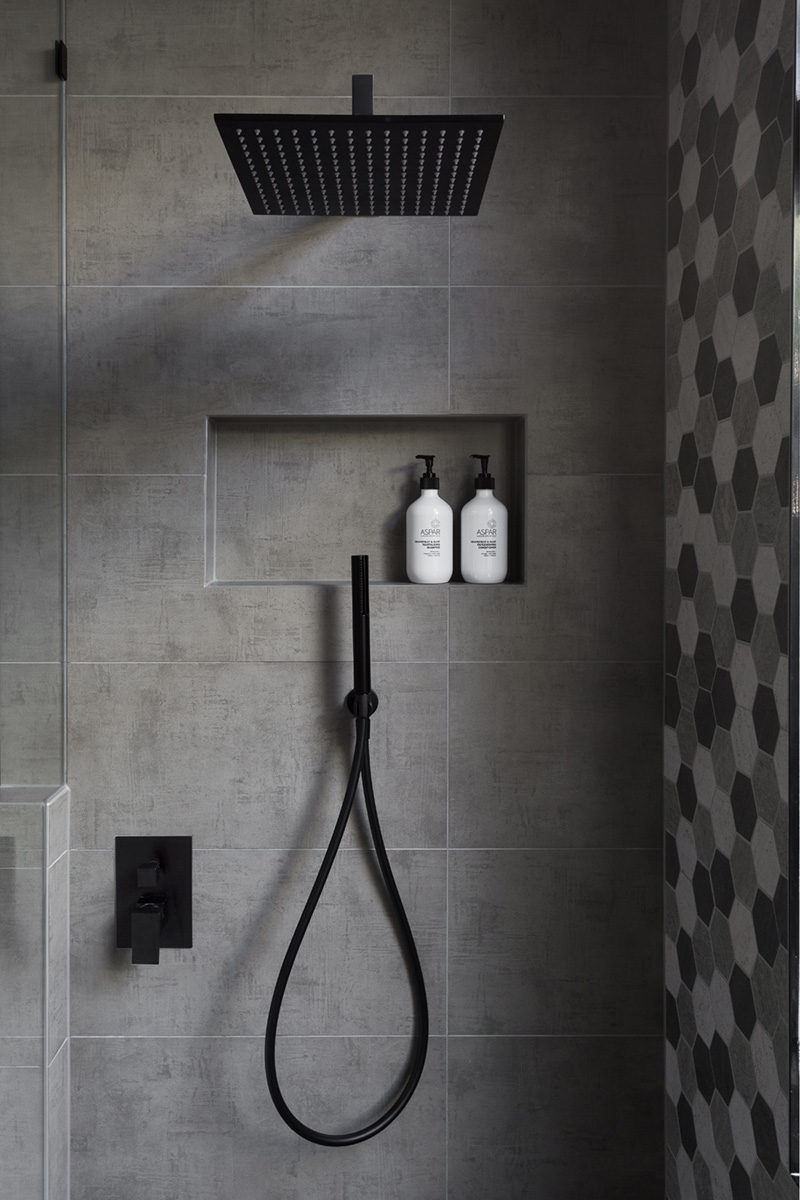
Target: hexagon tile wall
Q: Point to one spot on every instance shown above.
(726, 692)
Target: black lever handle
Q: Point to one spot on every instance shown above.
(147, 917)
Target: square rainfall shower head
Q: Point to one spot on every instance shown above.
(361, 165)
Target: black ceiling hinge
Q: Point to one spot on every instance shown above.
(61, 60)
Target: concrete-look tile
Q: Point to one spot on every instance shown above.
(153, 199)
(594, 578)
(58, 952)
(58, 1126)
(30, 393)
(240, 352)
(20, 1051)
(30, 581)
(130, 1097)
(21, 954)
(574, 196)
(21, 828)
(30, 723)
(349, 977)
(56, 816)
(537, 1117)
(26, 49)
(515, 776)
(515, 48)
(542, 941)
(585, 365)
(238, 50)
(21, 1143)
(29, 193)
(136, 570)
(283, 505)
(251, 754)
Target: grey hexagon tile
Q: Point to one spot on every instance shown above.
(766, 579)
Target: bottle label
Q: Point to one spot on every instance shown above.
(486, 547)
(485, 540)
(429, 543)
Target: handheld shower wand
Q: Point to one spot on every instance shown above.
(362, 703)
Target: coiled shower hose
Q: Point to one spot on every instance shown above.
(362, 702)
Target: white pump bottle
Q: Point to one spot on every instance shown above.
(484, 532)
(429, 532)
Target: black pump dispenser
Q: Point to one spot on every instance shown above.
(484, 480)
(428, 480)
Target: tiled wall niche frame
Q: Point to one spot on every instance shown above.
(289, 499)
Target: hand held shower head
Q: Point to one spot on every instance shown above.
(362, 702)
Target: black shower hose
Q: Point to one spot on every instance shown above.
(361, 705)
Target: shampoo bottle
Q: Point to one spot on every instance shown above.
(429, 532)
(484, 532)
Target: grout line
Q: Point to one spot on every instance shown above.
(447, 906)
(259, 1037)
(353, 287)
(438, 98)
(317, 662)
(446, 850)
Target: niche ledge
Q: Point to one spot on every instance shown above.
(290, 499)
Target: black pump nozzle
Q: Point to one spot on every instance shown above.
(484, 480)
(428, 480)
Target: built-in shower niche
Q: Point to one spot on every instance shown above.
(290, 499)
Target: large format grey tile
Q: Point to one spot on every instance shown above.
(594, 577)
(58, 1126)
(198, 1113)
(584, 364)
(29, 191)
(30, 581)
(27, 63)
(21, 829)
(30, 723)
(247, 47)
(30, 392)
(153, 199)
(555, 754)
(575, 196)
(349, 977)
(20, 1051)
(517, 48)
(58, 954)
(554, 941)
(21, 1148)
(251, 755)
(555, 1117)
(21, 954)
(148, 365)
(136, 571)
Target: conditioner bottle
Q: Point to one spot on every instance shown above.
(484, 532)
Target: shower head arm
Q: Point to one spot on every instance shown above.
(362, 96)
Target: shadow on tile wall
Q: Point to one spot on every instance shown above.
(542, 697)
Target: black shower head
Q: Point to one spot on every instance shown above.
(361, 165)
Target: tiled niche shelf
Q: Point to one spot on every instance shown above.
(290, 499)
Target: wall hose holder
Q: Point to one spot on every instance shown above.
(362, 703)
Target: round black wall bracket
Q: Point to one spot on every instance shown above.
(351, 700)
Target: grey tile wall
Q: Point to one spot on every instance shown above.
(727, 482)
(516, 739)
(31, 626)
